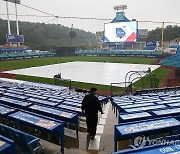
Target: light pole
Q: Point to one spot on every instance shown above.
(9, 27)
(17, 24)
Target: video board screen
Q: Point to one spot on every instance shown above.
(120, 32)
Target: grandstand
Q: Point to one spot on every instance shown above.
(44, 118)
(25, 103)
(135, 53)
(10, 53)
(173, 61)
(22, 103)
(145, 108)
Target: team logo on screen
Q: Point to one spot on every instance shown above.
(120, 33)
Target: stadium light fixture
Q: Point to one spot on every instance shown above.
(120, 7)
(13, 1)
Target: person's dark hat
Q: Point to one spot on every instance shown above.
(93, 89)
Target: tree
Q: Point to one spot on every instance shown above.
(46, 36)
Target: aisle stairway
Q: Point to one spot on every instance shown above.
(103, 143)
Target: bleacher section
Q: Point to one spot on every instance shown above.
(150, 114)
(43, 107)
(21, 55)
(20, 142)
(174, 60)
(142, 53)
(118, 48)
(155, 149)
(177, 46)
(154, 113)
(150, 48)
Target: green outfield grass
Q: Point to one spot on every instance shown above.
(25, 63)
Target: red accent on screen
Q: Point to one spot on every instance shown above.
(131, 38)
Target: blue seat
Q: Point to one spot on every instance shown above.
(161, 140)
(6, 131)
(27, 144)
(8, 147)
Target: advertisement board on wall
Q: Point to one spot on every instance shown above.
(142, 33)
(120, 32)
(152, 43)
(12, 38)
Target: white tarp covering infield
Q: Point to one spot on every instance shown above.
(90, 72)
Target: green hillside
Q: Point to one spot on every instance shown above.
(47, 36)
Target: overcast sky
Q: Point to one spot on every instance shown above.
(141, 10)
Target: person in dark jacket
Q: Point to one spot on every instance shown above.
(90, 107)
